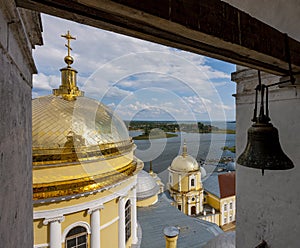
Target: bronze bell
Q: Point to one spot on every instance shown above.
(263, 150)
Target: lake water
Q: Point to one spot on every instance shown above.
(204, 146)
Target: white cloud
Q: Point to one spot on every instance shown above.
(200, 104)
(43, 82)
(113, 67)
(157, 103)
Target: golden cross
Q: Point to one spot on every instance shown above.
(69, 37)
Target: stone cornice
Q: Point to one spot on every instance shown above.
(96, 208)
(33, 24)
(22, 23)
(59, 219)
(52, 213)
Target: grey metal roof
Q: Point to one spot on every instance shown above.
(146, 185)
(226, 239)
(193, 232)
(231, 166)
(211, 185)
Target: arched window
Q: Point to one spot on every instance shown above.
(193, 210)
(76, 238)
(127, 220)
(192, 182)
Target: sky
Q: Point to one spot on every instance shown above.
(139, 80)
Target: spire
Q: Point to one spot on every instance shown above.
(68, 88)
(150, 170)
(184, 150)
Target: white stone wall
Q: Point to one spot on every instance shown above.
(16, 68)
(268, 207)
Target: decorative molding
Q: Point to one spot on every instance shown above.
(59, 219)
(93, 209)
(133, 187)
(41, 245)
(109, 223)
(70, 227)
(43, 193)
(47, 214)
(109, 187)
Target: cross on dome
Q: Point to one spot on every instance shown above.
(68, 59)
(184, 150)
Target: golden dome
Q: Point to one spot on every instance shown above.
(184, 162)
(56, 121)
(78, 144)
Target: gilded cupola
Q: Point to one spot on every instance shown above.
(78, 144)
(184, 162)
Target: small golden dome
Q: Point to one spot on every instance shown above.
(184, 162)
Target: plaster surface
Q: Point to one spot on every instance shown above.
(16, 68)
(268, 206)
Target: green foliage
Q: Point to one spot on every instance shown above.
(171, 127)
(232, 148)
(158, 136)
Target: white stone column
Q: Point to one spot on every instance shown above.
(201, 201)
(95, 226)
(55, 230)
(197, 204)
(134, 217)
(183, 204)
(122, 241)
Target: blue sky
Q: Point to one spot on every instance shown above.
(136, 78)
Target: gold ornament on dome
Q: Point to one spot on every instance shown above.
(68, 59)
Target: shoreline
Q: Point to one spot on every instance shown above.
(146, 137)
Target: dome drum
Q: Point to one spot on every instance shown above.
(81, 185)
(71, 153)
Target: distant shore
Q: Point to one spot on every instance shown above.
(227, 131)
(173, 127)
(156, 136)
